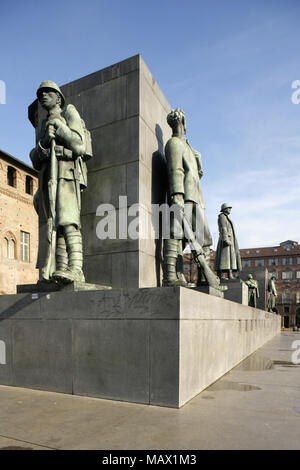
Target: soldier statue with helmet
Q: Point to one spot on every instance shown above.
(228, 260)
(63, 146)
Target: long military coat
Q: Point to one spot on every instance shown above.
(184, 168)
(227, 256)
(71, 169)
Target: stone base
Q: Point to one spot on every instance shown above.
(158, 346)
(43, 286)
(237, 291)
(210, 290)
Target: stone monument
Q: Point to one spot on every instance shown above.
(144, 345)
(125, 111)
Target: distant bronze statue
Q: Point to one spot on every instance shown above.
(184, 191)
(63, 146)
(272, 294)
(253, 291)
(228, 260)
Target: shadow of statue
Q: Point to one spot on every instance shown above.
(158, 196)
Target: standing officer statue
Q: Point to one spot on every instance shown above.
(228, 258)
(63, 146)
(184, 193)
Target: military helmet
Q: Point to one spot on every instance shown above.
(52, 86)
(225, 206)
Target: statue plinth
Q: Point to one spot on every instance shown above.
(42, 286)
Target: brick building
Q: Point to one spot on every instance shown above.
(18, 224)
(284, 262)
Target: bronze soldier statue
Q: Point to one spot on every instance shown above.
(184, 173)
(253, 291)
(228, 258)
(63, 146)
(272, 294)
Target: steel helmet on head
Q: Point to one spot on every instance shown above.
(50, 85)
(225, 206)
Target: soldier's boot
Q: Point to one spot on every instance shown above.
(230, 275)
(75, 258)
(74, 248)
(171, 277)
(61, 254)
(61, 257)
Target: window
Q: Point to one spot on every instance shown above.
(256, 251)
(286, 309)
(298, 275)
(287, 261)
(298, 260)
(273, 262)
(259, 262)
(287, 275)
(248, 251)
(11, 249)
(286, 296)
(25, 238)
(298, 297)
(29, 185)
(5, 247)
(246, 263)
(275, 249)
(11, 176)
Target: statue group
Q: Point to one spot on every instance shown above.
(63, 145)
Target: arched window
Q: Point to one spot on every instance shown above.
(11, 249)
(11, 176)
(29, 185)
(5, 247)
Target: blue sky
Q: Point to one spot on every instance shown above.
(230, 65)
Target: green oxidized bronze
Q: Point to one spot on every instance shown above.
(228, 258)
(184, 173)
(253, 291)
(272, 295)
(63, 146)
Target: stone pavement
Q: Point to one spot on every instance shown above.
(255, 406)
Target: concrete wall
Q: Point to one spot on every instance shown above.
(125, 111)
(158, 346)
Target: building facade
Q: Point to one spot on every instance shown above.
(18, 224)
(282, 261)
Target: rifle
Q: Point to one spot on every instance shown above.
(49, 267)
(198, 254)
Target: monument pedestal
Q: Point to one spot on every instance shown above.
(43, 286)
(237, 291)
(158, 346)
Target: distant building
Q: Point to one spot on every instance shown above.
(18, 224)
(284, 262)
